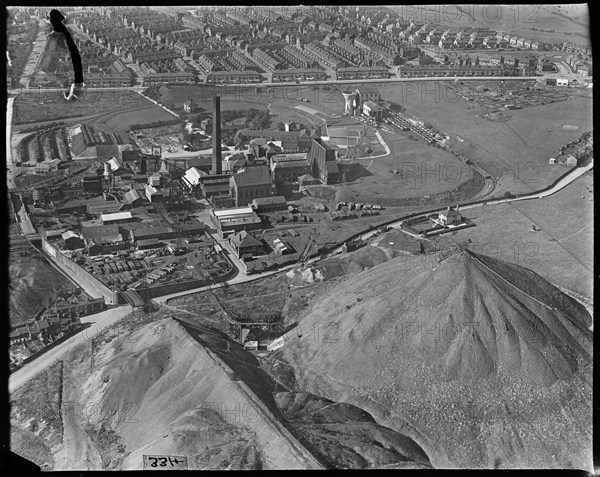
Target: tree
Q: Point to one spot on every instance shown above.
(280, 126)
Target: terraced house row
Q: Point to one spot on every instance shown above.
(239, 44)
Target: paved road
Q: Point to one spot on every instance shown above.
(100, 321)
(107, 318)
(315, 83)
(564, 182)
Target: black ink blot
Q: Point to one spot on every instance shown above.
(56, 20)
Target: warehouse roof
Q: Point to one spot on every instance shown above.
(133, 195)
(103, 207)
(232, 212)
(116, 216)
(145, 242)
(98, 231)
(151, 232)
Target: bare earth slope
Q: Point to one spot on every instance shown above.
(483, 363)
(347, 437)
(170, 388)
(162, 393)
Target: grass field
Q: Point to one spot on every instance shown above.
(529, 21)
(421, 170)
(561, 252)
(231, 98)
(27, 108)
(515, 151)
(122, 120)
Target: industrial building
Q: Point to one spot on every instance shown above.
(116, 218)
(235, 219)
(246, 245)
(72, 240)
(268, 204)
(103, 239)
(92, 184)
(147, 244)
(373, 110)
(211, 185)
(249, 183)
(192, 177)
(103, 206)
(321, 160)
(193, 228)
(160, 233)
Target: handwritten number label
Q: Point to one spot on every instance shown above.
(165, 462)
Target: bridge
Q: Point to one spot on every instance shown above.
(133, 298)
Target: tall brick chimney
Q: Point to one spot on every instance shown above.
(216, 155)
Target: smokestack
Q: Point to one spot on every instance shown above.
(217, 165)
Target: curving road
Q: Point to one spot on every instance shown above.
(109, 317)
(564, 182)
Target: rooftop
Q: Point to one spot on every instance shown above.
(252, 176)
(98, 231)
(278, 199)
(244, 239)
(150, 241)
(116, 216)
(70, 234)
(233, 212)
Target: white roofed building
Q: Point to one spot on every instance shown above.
(116, 218)
(192, 177)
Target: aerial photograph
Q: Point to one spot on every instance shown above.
(299, 237)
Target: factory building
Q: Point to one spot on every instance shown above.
(251, 182)
(235, 219)
(321, 160)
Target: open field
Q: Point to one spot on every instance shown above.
(561, 252)
(55, 107)
(528, 21)
(515, 151)
(231, 98)
(412, 170)
(121, 121)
